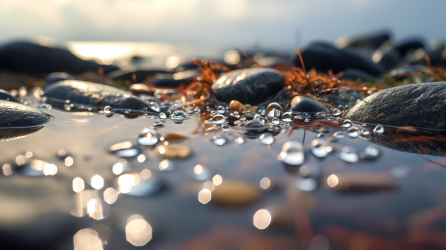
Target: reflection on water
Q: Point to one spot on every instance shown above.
(314, 171)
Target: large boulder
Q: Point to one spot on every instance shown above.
(417, 105)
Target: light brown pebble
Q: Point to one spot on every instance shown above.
(360, 182)
(235, 194)
(173, 137)
(236, 106)
(174, 151)
(139, 88)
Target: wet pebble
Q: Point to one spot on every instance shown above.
(14, 114)
(416, 105)
(233, 193)
(174, 151)
(5, 95)
(307, 104)
(251, 85)
(360, 182)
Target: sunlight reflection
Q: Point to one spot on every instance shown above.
(265, 183)
(204, 196)
(332, 180)
(110, 195)
(218, 180)
(209, 185)
(97, 182)
(7, 170)
(69, 161)
(78, 184)
(87, 239)
(145, 174)
(262, 219)
(138, 231)
(49, 169)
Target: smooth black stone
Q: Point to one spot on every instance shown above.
(248, 86)
(393, 140)
(354, 74)
(175, 80)
(365, 42)
(31, 58)
(390, 59)
(57, 76)
(255, 126)
(14, 114)
(417, 105)
(436, 56)
(324, 57)
(94, 94)
(409, 45)
(140, 75)
(4, 95)
(307, 104)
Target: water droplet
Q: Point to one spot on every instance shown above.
(242, 118)
(339, 135)
(221, 109)
(371, 152)
(319, 148)
(379, 129)
(148, 137)
(274, 110)
(347, 124)
(218, 119)
(255, 125)
(158, 123)
(177, 107)
(219, 140)
(266, 139)
(292, 153)
(307, 120)
(305, 115)
(306, 184)
(124, 149)
(288, 117)
(239, 140)
(162, 115)
(45, 106)
(275, 121)
(341, 108)
(365, 132)
(225, 127)
(348, 154)
(353, 132)
(155, 106)
(177, 116)
(336, 112)
(236, 113)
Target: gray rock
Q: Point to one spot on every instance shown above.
(4, 95)
(394, 140)
(307, 104)
(252, 85)
(418, 105)
(13, 115)
(93, 94)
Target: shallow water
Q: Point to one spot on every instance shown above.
(307, 213)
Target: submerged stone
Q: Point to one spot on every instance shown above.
(14, 114)
(417, 105)
(5, 95)
(307, 104)
(235, 194)
(252, 85)
(93, 94)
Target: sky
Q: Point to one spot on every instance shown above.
(280, 24)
